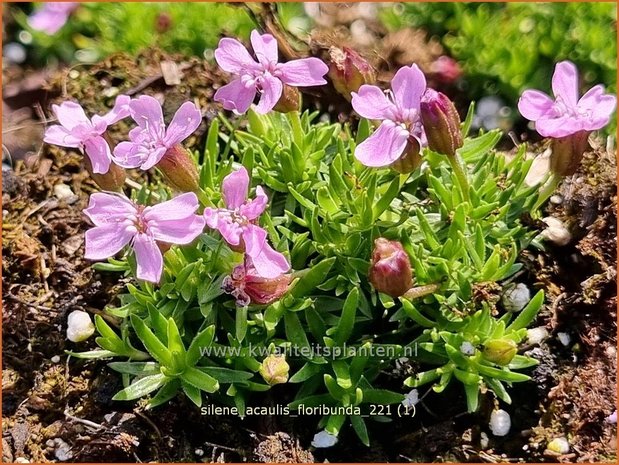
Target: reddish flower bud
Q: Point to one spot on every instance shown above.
(289, 101)
(441, 123)
(113, 180)
(348, 71)
(163, 22)
(445, 69)
(410, 160)
(567, 153)
(178, 167)
(249, 288)
(390, 268)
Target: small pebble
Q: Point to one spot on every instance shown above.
(79, 326)
(612, 418)
(559, 446)
(22, 460)
(515, 297)
(500, 422)
(484, 441)
(467, 348)
(556, 199)
(56, 359)
(323, 439)
(564, 339)
(199, 452)
(536, 336)
(556, 232)
(64, 192)
(63, 450)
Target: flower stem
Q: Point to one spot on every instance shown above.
(459, 171)
(547, 191)
(297, 130)
(421, 291)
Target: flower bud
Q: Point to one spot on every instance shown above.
(249, 288)
(390, 268)
(113, 180)
(289, 101)
(274, 369)
(79, 326)
(445, 69)
(441, 123)
(410, 160)
(500, 351)
(567, 153)
(348, 71)
(179, 169)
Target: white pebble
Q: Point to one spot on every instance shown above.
(500, 422)
(79, 326)
(556, 232)
(467, 348)
(536, 336)
(556, 199)
(564, 339)
(324, 439)
(484, 441)
(411, 399)
(56, 359)
(612, 418)
(199, 452)
(515, 297)
(63, 192)
(559, 445)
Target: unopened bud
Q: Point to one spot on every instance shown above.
(410, 160)
(274, 369)
(348, 71)
(113, 180)
(567, 153)
(179, 169)
(445, 69)
(79, 326)
(289, 101)
(500, 351)
(441, 123)
(390, 268)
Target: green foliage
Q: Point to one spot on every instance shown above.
(96, 30)
(508, 47)
(325, 212)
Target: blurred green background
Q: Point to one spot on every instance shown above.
(502, 48)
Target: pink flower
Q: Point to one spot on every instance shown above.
(51, 16)
(264, 75)
(237, 224)
(78, 131)
(118, 222)
(150, 140)
(247, 287)
(399, 112)
(567, 114)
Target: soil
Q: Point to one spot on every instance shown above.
(60, 409)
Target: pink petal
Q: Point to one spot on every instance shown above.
(146, 111)
(254, 208)
(534, 104)
(268, 262)
(565, 83)
(119, 111)
(107, 240)
(70, 114)
(408, 85)
(106, 208)
(235, 188)
(148, 257)
(599, 107)
(558, 127)
(304, 72)
(236, 96)
(186, 120)
(179, 231)
(372, 103)
(153, 158)
(58, 135)
(180, 207)
(126, 155)
(383, 147)
(271, 92)
(265, 47)
(233, 57)
(48, 21)
(219, 219)
(98, 152)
